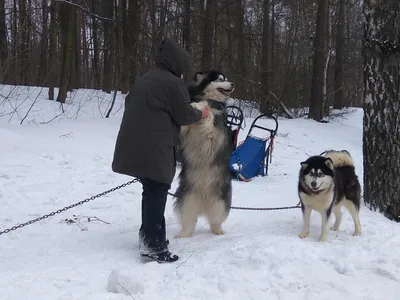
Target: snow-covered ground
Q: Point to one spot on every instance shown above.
(44, 167)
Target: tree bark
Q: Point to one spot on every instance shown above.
(266, 106)
(67, 31)
(96, 54)
(317, 82)
(108, 47)
(208, 35)
(85, 55)
(23, 41)
(186, 29)
(381, 147)
(53, 49)
(42, 80)
(3, 42)
(338, 102)
(131, 41)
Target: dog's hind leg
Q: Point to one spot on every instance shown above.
(216, 215)
(187, 215)
(306, 212)
(338, 217)
(355, 215)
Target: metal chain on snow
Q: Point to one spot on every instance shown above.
(266, 208)
(257, 208)
(68, 207)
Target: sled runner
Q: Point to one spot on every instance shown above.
(234, 121)
(251, 158)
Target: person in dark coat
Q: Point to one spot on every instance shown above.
(156, 107)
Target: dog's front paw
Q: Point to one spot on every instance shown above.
(217, 230)
(303, 235)
(323, 239)
(334, 228)
(357, 233)
(199, 105)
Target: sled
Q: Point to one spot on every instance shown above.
(252, 157)
(234, 121)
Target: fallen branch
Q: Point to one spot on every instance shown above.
(77, 220)
(285, 109)
(67, 135)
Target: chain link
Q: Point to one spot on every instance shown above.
(256, 208)
(266, 208)
(68, 207)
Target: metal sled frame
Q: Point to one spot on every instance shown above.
(270, 139)
(269, 143)
(235, 119)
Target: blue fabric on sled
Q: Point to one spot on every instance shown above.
(247, 161)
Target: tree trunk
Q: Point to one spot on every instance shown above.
(14, 76)
(186, 29)
(130, 41)
(52, 79)
(78, 47)
(154, 26)
(42, 80)
(266, 106)
(325, 100)
(96, 59)
(381, 147)
(67, 35)
(208, 35)
(23, 42)
(3, 42)
(72, 30)
(240, 48)
(85, 55)
(107, 51)
(338, 102)
(317, 82)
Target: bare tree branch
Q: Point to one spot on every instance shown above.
(86, 10)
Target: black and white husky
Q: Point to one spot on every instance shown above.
(326, 183)
(205, 187)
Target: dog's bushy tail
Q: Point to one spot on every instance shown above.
(340, 158)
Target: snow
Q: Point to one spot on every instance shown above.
(45, 167)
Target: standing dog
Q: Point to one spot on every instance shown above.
(326, 183)
(205, 187)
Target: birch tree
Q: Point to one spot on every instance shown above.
(381, 141)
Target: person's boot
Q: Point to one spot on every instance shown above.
(163, 257)
(155, 250)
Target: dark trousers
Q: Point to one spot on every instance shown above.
(152, 233)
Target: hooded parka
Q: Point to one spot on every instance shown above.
(156, 107)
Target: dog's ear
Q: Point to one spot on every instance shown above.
(198, 76)
(329, 163)
(304, 165)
